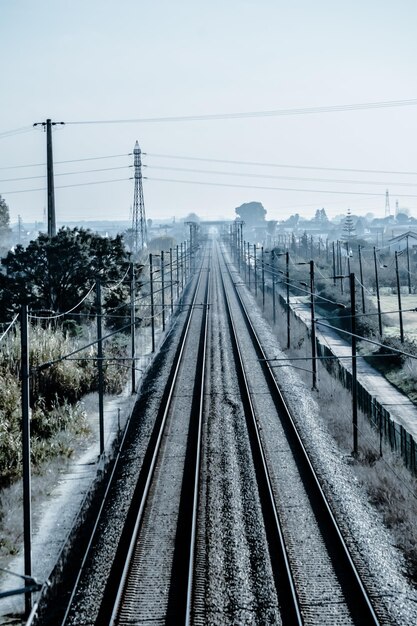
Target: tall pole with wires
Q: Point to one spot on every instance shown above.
(139, 230)
(50, 175)
(378, 301)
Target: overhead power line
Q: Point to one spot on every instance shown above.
(94, 182)
(250, 175)
(16, 131)
(251, 114)
(110, 156)
(263, 164)
(326, 191)
(104, 169)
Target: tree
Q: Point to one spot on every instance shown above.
(349, 231)
(402, 218)
(4, 226)
(252, 213)
(292, 221)
(192, 217)
(55, 273)
(321, 216)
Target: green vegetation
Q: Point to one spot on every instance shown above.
(54, 276)
(55, 394)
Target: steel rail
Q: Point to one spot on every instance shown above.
(356, 596)
(166, 397)
(181, 595)
(177, 575)
(284, 582)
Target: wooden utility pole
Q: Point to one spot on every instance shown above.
(152, 302)
(163, 289)
(27, 504)
(287, 276)
(263, 277)
(274, 317)
(354, 370)
(408, 267)
(133, 324)
(50, 175)
(361, 277)
(400, 313)
(100, 366)
(377, 293)
(171, 282)
(313, 328)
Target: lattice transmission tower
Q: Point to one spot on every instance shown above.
(140, 237)
(387, 204)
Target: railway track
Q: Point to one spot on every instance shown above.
(226, 522)
(155, 552)
(343, 597)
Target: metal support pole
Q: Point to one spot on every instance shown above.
(263, 276)
(50, 181)
(242, 248)
(152, 302)
(178, 272)
(185, 260)
(133, 324)
(313, 328)
(361, 276)
(27, 504)
(255, 269)
(238, 247)
(408, 267)
(274, 315)
(100, 366)
(354, 370)
(182, 267)
(245, 261)
(249, 262)
(163, 289)
(50, 175)
(334, 264)
(171, 281)
(287, 263)
(400, 312)
(340, 269)
(377, 293)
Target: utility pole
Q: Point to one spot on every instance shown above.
(50, 175)
(273, 287)
(354, 370)
(400, 312)
(313, 327)
(27, 504)
(133, 324)
(287, 276)
(163, 289)
(171, 282)
(263, 277)
(377, 293)
(361, 277)
(100, 366)
(152, 302)
(255, 271)
(249, 263)
(177, 274)
(408, 267)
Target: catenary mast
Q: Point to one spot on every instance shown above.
(138, 216)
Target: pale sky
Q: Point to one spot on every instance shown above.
(92, 60)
